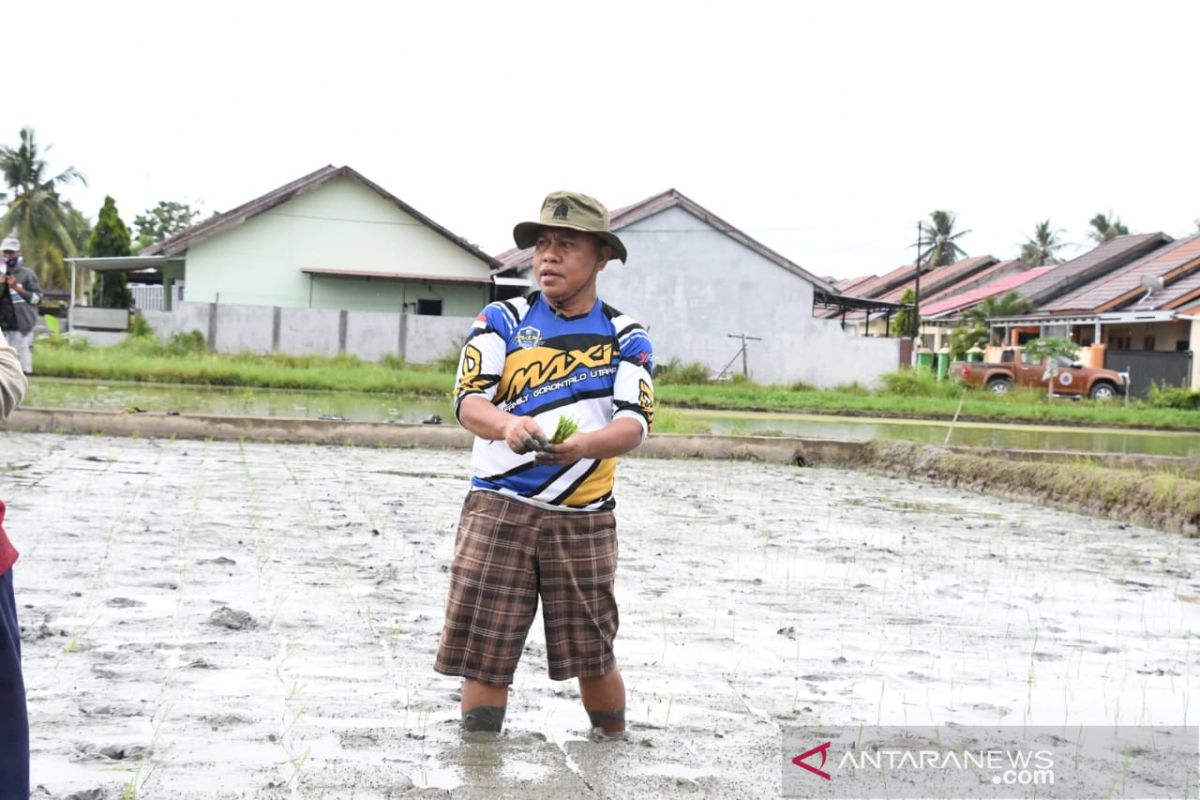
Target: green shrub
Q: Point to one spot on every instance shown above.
(675, 371)
(139, 328)
(856, 389)
(392, 361)
(184, 343)
(1174, 397)
(919, 383)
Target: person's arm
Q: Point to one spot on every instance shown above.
(12, 380)
(32, 288)
(480, 417)
(633, 406)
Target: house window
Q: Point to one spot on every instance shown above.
(430, 308)
(1182, 345)
(1148, 343)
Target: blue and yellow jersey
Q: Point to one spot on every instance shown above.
(530, 362)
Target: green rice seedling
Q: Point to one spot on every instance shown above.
(566, 428)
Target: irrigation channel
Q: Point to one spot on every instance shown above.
(360, 407)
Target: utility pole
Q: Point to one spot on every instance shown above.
(744, 338)
(916, 323)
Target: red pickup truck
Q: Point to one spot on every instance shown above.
(1068, 377)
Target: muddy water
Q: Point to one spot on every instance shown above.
(118, 396)
(224, 620)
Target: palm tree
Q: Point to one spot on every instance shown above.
(1039, 249)
(1106, 227)
(939, 240)
(1010, 305)
(36, 212)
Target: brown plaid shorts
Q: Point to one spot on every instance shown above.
(506, 554)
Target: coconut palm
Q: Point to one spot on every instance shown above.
(1106, 227)
(1010, 305)
(939, 245)
(36, 213)
(1039, 249)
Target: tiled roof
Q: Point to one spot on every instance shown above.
(1102, 260)
(960, 302)
(939, 279)
(987, 275)
(516, 259)
(1123, 286)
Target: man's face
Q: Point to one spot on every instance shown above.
(9, 254)
(566, 260)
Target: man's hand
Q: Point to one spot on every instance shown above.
(568, 451)
(523, 435)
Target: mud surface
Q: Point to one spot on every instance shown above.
(209, 620)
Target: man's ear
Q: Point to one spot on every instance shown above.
(602, 256)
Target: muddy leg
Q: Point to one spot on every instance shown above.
(604, 700)
(483, 706)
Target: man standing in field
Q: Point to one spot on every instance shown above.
(538, 519)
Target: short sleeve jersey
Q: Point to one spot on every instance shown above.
(529, 361)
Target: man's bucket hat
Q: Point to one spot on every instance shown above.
(576, 212)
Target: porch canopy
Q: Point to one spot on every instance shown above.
(114, 264)
(845, 303)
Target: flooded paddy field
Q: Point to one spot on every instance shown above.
(221, 620)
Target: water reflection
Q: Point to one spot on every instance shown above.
(57, 393)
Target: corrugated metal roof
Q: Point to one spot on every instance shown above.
(940, 278)
(850, 284)
(1124, 286)
(180, 242)
(624, 217)
(1102, 260)
(991, 273)
(961, 302)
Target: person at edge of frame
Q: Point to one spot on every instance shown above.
(14, 719)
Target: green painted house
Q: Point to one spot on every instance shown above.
(331, 240)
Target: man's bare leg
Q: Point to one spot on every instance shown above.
(604, 700)
(483, 706)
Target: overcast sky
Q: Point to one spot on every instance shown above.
(826, 130)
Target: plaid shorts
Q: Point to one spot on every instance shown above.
(506, 554)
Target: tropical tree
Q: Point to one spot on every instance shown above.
(165, 219)
(902, 323)
(110, 238)
(1040, 248)
(939, 240)
(1106, 227)
(1010, 305)
(964, 338)
(36, 213)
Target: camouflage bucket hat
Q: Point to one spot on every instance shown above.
(573, 211)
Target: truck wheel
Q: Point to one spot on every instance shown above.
(1103, 390)
(1000, 385)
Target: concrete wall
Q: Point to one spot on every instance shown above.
(691, 286)
(370, 335)
(339, 225)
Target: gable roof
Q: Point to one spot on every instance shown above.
(1102, 260)
(952, 304)
(1173, 263)
(941, 278)
(218, 223)
(516, 258)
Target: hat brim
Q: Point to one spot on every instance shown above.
(525, 235)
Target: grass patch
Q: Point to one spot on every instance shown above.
(906, 394)
(184, 360)
(1161, 499)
